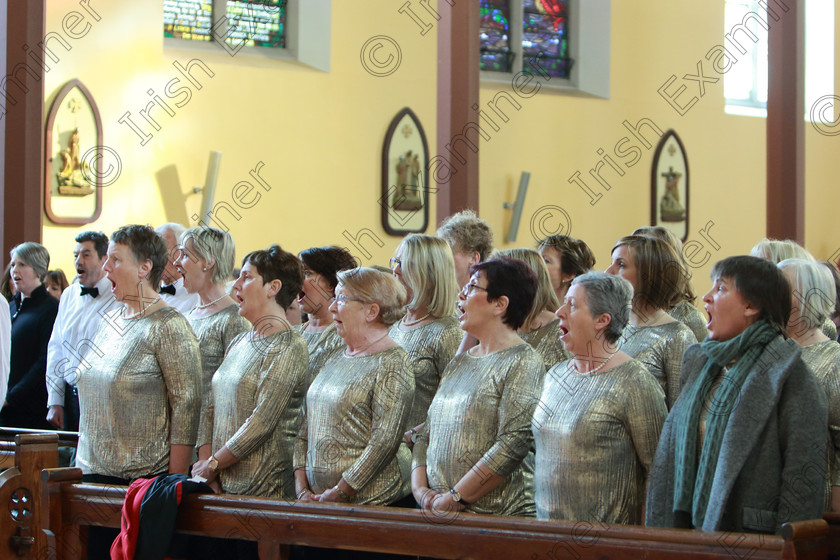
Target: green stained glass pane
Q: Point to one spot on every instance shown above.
(188, 19)
(257, 23)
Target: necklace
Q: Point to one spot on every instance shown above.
(597, 369)
(206, 305)
(412, 323)
(357, 352)
(157, 299)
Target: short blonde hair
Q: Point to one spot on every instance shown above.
(212, 244)
(428, 270)
(372, 286)
(776, 250)
(546, 299)
(812, 288)
(467, 233)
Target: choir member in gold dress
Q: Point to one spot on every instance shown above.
(478, 431)
(471, 240)
(205, 261)
(565, 258)
(598, 421)
(350, 448)
(541, 328)
(683, 309)
(777, 250)
(742, 448)
(320, 266)
(653, 337)
(140, 397)
(812, 300)
(835, 275)
(429, 331)
(259, 388)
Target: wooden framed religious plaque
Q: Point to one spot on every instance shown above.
(405, 176)
(669, 186)
(73, 175)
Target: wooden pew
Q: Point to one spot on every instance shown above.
(62, 508)
(391, 530)
(24, 514)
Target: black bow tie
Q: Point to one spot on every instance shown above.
(92, 292)
(170, 289)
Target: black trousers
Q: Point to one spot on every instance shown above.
(71, 408)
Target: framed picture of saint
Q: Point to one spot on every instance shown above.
(669, 185)
(73, 159)
(405, 166)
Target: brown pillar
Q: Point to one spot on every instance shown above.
(23, 126)
(457, 93)
(785, 123)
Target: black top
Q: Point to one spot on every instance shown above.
(32, 323)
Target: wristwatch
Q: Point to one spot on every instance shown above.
(213, 463)
(457, 497)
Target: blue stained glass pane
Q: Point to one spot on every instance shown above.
(494, 36)
(545, 43)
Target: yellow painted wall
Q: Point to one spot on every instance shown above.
(320, 134)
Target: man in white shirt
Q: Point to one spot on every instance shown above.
(80, 312)
(172, 283)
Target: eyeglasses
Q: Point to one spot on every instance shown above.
(342, 299)
(395, 262)
(469, 288)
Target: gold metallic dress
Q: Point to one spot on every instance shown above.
(660, 348)
(823, 358)
(356, 413)
(430, 348)
(481, 418)
(322, 345)
(546, 341)
(215, 333)
(258, 392)
(691, 317)
(140, 394)
(596, 436)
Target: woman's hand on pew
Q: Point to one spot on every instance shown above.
(215, 486)
(202, 469)
(445, 502)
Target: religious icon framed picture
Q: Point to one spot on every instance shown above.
(73, 175)
(405, 176)
(669, 201)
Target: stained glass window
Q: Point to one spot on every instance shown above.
(260, 23)
(545, 42)
(495, 53)
(255, 23)
(188, 19)
(544, 47)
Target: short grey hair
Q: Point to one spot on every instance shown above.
(609, 294)
(35, 255)
(177, 230)
(812, 288)
(212, 244)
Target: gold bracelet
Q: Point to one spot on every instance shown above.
(302, 493)
(343, 494)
